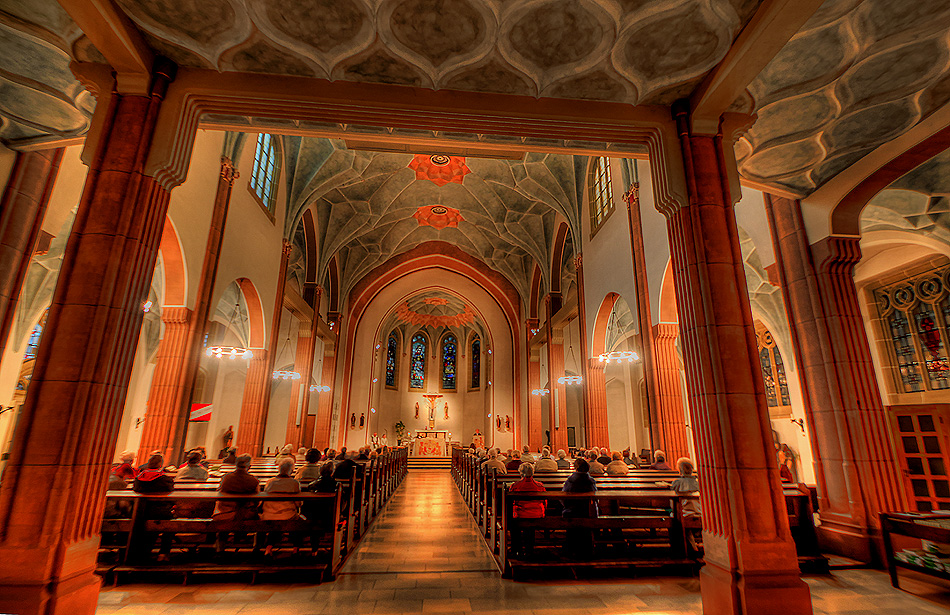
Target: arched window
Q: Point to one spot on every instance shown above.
(449, 361)
(417, 361)
(476, 362)
(598, 184)
(392, 358)
(264, 175)
(773, 371)
(35, 335)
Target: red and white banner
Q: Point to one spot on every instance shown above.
(200, 412)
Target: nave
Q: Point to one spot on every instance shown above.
(423, 555)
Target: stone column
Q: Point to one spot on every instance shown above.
(668, 419)
(256, 403)
(594, 383)
(165, 390)
(321, 430)
(535, 429)
(557, 409)
(250, 433)
(303, 364)
(855, 466)
(51, 499)
(751, 563)
(170, 394)
(21, 219)
(305, 434)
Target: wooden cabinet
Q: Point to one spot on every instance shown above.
(922, 437)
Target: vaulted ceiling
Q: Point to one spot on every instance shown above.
(369, 206)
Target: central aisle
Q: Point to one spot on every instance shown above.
(425, 528)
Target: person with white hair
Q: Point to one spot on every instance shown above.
(494, 464)
(659, 461)
(526, 456)
(124, 469)
(238, 482)
(287, 452)
(523, 539)
(563, 463)
(546, 463)
(284, 510)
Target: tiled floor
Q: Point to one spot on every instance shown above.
(422, 556)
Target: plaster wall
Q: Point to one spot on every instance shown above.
(656, 245)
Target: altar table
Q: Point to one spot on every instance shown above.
(429, 447)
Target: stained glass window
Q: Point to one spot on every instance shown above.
(769, 377)
(903, 344)
(449, 359)
(931, 341)
(601, 202)
(780, 377)
(476, 362)
(264, 175)
(392, 348)
(33, 343)
(417, 361)
(773, 371)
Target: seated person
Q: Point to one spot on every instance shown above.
(523, 539)
(617, 467)
(546, 463)
(311, 469)
(342, 454)
(192, 470)
(684, 485)
(659, 461)
(346, 467)
(153, 480)
(595, 467)
(284, 510)
(301, 452)
(287, 452)
(603, 458)
(526, 456)
(630, 459)
(364, 454)
(115, 508)
(563, 463)
(493, 464)
(231, 457)
(515, 462)
(124, 469)
(144, 466)
(238, 482)
(320, 513)
(580, 542)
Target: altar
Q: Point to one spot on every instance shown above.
(431, 444)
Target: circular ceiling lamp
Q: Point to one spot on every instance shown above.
(230, 352)
(319, 388)
(541, 392)
(619, 356)
(570, 380)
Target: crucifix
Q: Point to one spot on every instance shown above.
(431, 398)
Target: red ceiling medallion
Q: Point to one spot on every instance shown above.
(435, 301)
(438, 216)
(440, 168)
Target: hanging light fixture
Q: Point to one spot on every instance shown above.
(286, 374)
(230, 352)
(541, 392)
(617, 356)
(565, 379)
(319, 388)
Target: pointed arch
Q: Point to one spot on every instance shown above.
(599, 341)
(475, 362)
(255, 312)
(310, 239)
(173, 261)
(333, 285)
(535, 300)
(668, 311)
(557, 257)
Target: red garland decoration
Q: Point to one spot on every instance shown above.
(439, 168)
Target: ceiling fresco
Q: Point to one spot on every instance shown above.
(860, 72)
(433, 311)
(369, 206)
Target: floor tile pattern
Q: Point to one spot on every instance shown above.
(423, 555)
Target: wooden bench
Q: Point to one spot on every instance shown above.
(934, 527)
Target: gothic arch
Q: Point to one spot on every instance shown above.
(255, 312)
(173, 260)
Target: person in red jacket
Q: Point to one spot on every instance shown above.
(522, 539)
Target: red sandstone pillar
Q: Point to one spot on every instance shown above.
(855, 467)
(305, 434)
(51, 499)
(557, 398)
(21, 218)
(668, 420)
(303, 364)
(594, 383)
(751, 563)
(321, 430)
(535, 430)
(166, 383)
(250, 433)
(169, 398)
(256, 403)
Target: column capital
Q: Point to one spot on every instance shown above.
(176, 315)
(228, 171)
(632, 195)
(286, 248)
(837, 254)
(579, 261)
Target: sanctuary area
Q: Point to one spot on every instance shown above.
(469, 306)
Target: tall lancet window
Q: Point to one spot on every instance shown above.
(598, 190)
(476, 362)
(417, 361)
(264, 174)
(392, 358)
(449, 361)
